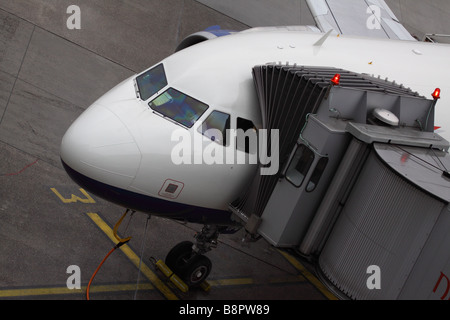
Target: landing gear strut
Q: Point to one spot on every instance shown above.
(187, 259)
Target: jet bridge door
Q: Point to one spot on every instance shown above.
(303, 182)
(288, 211)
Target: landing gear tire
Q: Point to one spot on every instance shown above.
(197, 270)
(191, 267)
(177, 258)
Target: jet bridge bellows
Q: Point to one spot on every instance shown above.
(286, 96)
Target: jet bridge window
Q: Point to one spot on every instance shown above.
(215, 127)
(179, 107)
(151, 82)
(317, 174)
(300, 165)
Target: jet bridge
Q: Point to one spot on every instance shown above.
(363, 180)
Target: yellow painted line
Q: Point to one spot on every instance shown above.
(36, 292)
(29, 292)
(287, 279)
(14, 293)
(120, 287)
(161, 286)
(249, 281)
(308, 275)
(74, 198)
(231, 282)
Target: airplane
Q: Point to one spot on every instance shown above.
(122, 147)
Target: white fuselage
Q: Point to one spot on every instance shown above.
(120, 141)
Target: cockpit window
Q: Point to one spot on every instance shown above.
(215, 127)
(178, 107)
(151, 82)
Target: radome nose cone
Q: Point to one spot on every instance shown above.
(99, 146)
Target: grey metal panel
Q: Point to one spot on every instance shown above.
(386, 222)
(401, 136)
(357, 101)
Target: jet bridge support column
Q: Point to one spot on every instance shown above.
(336, 195)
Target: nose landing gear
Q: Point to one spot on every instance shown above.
(187, 259)
(193, 268)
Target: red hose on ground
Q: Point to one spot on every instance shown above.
(98, 268)
(100, 265)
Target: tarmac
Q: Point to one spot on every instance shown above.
(54, 233)
(49, 74)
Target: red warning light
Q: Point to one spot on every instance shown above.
(436, 94)
(335, 80)
(404, 158)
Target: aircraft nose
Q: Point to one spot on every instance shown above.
(99, 146)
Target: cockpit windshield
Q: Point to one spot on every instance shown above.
(151, 82)
(178, 107)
